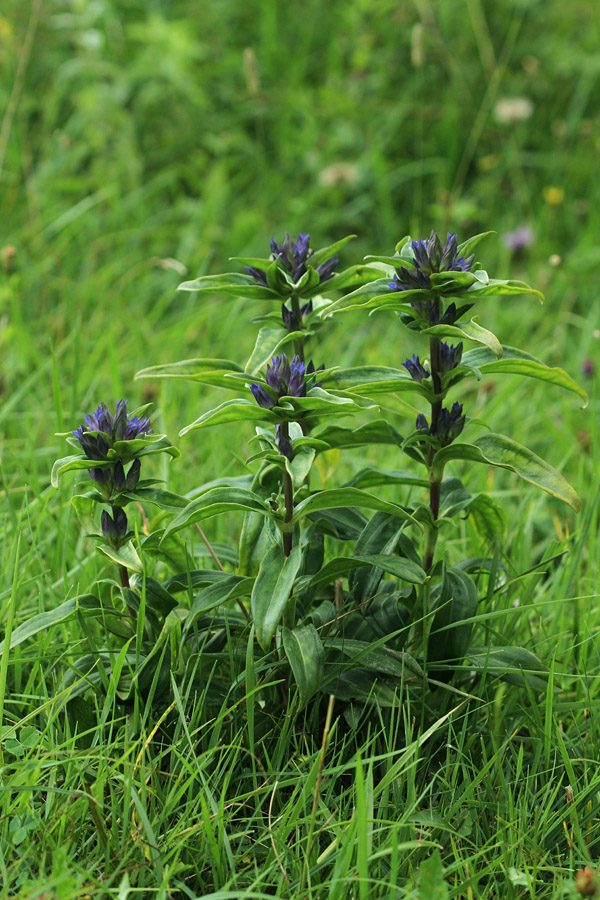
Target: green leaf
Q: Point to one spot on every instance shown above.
(125, 556)
(512, 664)
(237, 410)
(214, 502)
(325, 253)
(272, 590)
(496, 286)
(353, 277)
(269, 342)
(305, 654)
(374, 380)
(467, 247)
(516, 362)
(396, 663)
(431, 878)
(232, 283)
(499, 450)
(470, 331)
(85, 605)
(405, 569)
(299, 467)
(371, 477)
(455, 605)
(214, 595)
(360, 296)
(345, 497)
(379, 431)
(216, 372)
(71, 464)
(488, 518)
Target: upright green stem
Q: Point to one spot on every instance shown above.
(123, 573)
(299, 343)
(289, 614)
(434, 478)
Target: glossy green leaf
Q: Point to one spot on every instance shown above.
(379, 431)
(374, 380)
(452, 624)
(496, 286)
(216, 372)
(470, 331)
(405, 569)
(214, 502)
(85, 605)
(467, 247)
(272, 590)
(516, 362)
(233, 283)
(488, 518)
(237, 410)
(325, 253)
(269, 342)
(214, 595)
(341, 497)
(304, 650)
(501, 451)
(126, 556)
(396, 663)
(516, 665)
(353, 277)
(371, 477)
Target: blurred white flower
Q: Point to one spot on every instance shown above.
(513, 109)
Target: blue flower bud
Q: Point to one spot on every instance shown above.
(415, 369)
(284, 443)
(119, 476)
(101, 429)
(133, 476)
(430, 258)
(293, 258)
(449, 357)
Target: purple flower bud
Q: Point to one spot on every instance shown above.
(293, 257)
(430, 258)
(284, 443)
(261, 396)
(114, 529)
(421, 423)
(133, 476)
(449, 357)
(415, 369)
(119, 476)
(101, 429)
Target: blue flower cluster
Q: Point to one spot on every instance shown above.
(429, 257)
(293, 256)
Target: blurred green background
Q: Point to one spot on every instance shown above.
(146, 142)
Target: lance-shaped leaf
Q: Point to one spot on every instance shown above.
(518, 362)
(467, 247)
(496, 286)
(238, 410)
(72, 464)
(516, 665)
(269, 342)
(272, 590)
(470, 331)
(216, 372)
(304, 650)
(501, 451)
(347, 497)
(404, 569)
(233, 283)
(214, 595)
(396, 663)
(371, 477)
(377, 432)
(375, 295)
(86, 605)
(325, 253)
(375, 380)
(214, 502)
(352, 277)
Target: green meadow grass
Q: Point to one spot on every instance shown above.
(146, 142)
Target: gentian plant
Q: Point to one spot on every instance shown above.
(339, 589)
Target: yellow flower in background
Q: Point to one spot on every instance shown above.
(553, 195)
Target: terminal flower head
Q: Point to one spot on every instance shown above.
(101, 429)
(284, 379)
(293, 256)
(430, 257)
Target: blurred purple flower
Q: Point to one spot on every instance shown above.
(518, 239)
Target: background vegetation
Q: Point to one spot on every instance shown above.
(143, 142)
